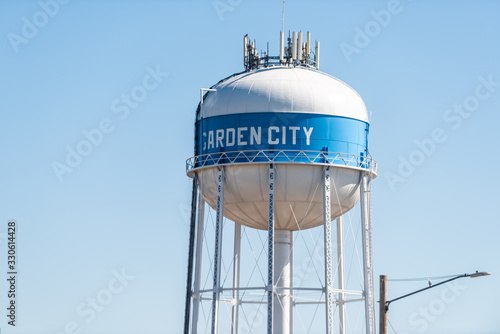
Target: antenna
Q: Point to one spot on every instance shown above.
(308, 45)
(245, 50)
(294, 51)
(299, 47)
(283, 18)
(316, 55)
(282, 40)
(294, 45)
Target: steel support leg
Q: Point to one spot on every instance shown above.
(270, 252)
(199, 249)
(366, 221)
(328, 251)
(341, 276)
(218, 250)
(189, 280)
(291, 282)
(236, 277)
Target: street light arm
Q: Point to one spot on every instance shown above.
(476, 274)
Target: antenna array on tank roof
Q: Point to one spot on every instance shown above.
(294, 53)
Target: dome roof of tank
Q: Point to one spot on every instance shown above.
(285, 89)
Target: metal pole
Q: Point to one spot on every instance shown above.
(270, 252)
(190, 256)
(218, 250)
(328, 251)
(341, 276)
(199, 249)
(366, 231)
(236, 277)
(383, 305)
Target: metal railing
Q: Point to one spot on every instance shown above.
(282, 157)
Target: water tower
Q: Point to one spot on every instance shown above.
(281, 148)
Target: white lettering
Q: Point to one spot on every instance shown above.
(308, 135)
(277, 135)
(210, 139)
(240, 136)
(219, 136)
(269, 135)
(255, 136)
(233, 137)
(294, 135)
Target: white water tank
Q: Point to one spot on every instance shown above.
(299, 119)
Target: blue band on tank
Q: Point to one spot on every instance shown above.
(268, 131)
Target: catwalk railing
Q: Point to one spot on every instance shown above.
(283, 157)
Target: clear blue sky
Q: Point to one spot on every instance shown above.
(123, 205)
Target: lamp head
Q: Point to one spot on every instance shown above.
(479, 274)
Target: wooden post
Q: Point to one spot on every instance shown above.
(383, 306)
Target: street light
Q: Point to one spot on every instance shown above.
(384, 303)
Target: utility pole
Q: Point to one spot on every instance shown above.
(383, 305)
